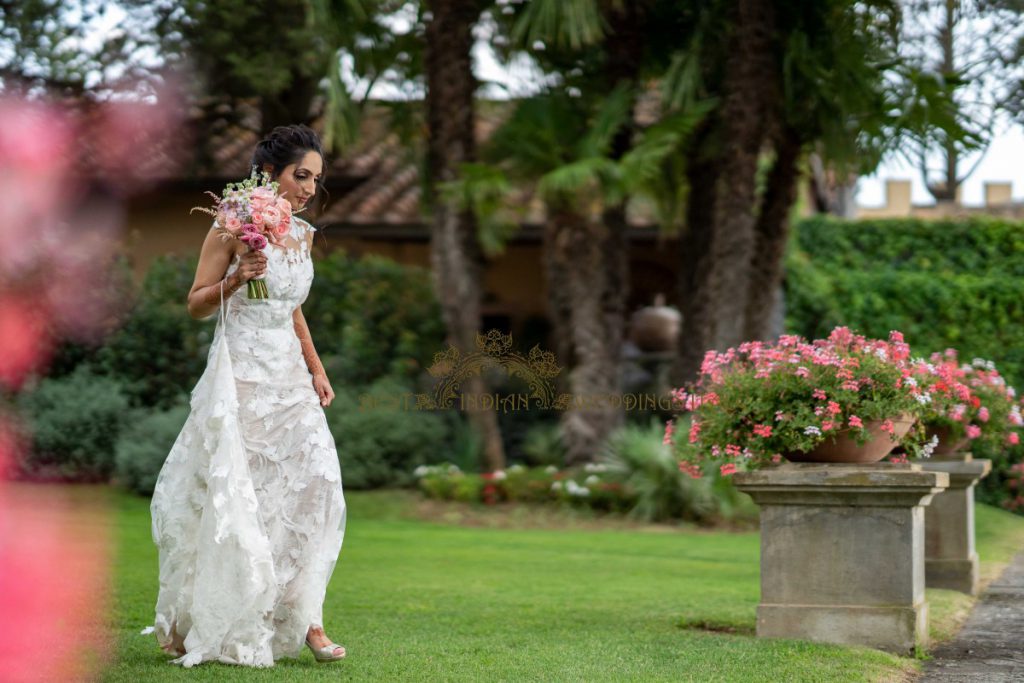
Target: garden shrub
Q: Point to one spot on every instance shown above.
(381, 444)
(543, 445)
(144, 445)
(372, 317)
(74, 422)
(944, 284)
(160, 351)
(638, 457)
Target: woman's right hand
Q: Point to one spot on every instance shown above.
(251, 264)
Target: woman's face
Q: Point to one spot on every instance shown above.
(297, 182)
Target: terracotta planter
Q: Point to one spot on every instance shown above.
(947, 446)
(843, 448)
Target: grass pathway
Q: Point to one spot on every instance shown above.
(419, 601)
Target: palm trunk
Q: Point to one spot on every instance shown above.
(746, 107)
(698, 327)
(456, 257)
(579, 254)
(559, 304)
(772, 232)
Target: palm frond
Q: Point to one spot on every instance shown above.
(485, 191)
(561, 23)
(614, 112)
(574, 181)
(341, 113)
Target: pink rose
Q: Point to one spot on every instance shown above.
(284, 206)
(282, 228)
(728, 469)
(232, 224)
(255, 240)
(257, 218)
(261, 198)
(271, 216)
(973, 431)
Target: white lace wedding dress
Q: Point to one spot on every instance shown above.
(248, 512)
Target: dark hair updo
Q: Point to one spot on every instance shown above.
(286, 145)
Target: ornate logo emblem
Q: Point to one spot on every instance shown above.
(494, 350)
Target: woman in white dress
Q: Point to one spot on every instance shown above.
(248, 511)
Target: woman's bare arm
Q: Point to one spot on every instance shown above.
(316, 368)
(214, 259)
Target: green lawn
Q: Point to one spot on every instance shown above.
(420, 601)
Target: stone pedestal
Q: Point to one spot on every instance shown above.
(950, 559)
(842, 552)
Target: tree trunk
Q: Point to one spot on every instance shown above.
(578, 252)
(772, 231)
(559, 303)
(698, 328)
(455, 255)
(749, 101)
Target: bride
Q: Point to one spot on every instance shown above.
(248, 512)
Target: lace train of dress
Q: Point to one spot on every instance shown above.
(248, 512)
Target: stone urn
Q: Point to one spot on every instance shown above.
(947, 446)
(842, 447)
(655, 328)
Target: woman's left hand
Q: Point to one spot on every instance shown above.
(322, 385)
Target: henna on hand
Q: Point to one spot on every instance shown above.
(308, 350)
(211, 295)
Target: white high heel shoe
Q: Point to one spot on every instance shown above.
(326, 653)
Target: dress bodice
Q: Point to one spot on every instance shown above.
(289, 276)
(260, 332)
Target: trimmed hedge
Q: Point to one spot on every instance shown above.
(942, 283)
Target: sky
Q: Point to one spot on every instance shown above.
(1003, 161)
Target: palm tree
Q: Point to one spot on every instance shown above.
(455, 253)
(580, 181)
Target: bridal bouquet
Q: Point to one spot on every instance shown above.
(253, 213)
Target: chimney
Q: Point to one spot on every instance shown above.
(897, 197)
(998, 193)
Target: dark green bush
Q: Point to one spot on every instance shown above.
(372, 317)
(944, 284)
(75, 421)
(381, 444)
(160, 351)
(144, 445)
